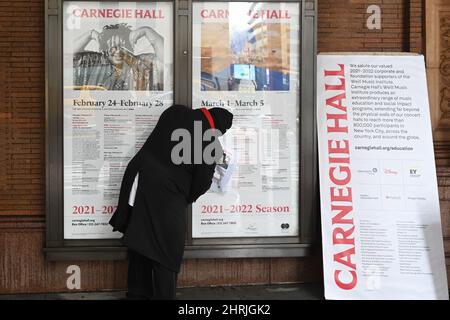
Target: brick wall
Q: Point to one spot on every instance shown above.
(416, 26)
(22, 107)
(343, 26)
(22, 153)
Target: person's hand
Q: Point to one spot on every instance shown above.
(95, 35)
(220, 170)
(157, 42)
(148, 32)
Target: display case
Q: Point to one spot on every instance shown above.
(112, 67)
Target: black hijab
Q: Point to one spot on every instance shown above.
(223, 119)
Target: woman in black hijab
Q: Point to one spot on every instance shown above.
(155, 227)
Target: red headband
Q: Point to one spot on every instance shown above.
(209, 117)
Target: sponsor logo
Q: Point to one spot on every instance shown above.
(390, 172)
(393, 198)
(417, 198)
(368, 197)
(370, 172)
(285, 226)
(415, 173)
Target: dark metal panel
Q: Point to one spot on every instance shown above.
(309, 171)
(96, 253)
(53, 115)
(245, 241)
(247, 251)
(85, 253)
(182, 54)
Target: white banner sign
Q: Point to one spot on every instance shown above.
(246, 59)
(118, 59)
(381, 225)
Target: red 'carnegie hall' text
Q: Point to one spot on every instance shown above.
(340, 176)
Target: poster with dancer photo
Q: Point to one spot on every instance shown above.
(118, 65)
(246, 59)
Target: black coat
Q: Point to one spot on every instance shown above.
(155, 226)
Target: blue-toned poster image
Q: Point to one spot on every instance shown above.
(249, 55)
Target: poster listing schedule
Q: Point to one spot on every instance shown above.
(246, 59)
(381, 226)
(117, 81)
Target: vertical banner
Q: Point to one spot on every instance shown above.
(246, 59)
(381, 226)
(118, 61)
